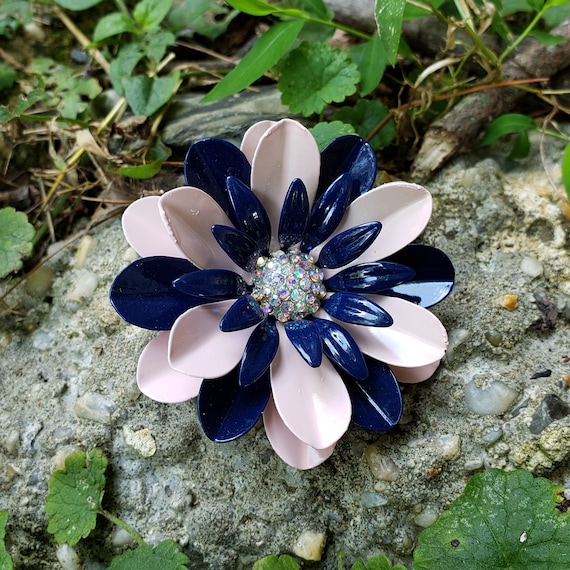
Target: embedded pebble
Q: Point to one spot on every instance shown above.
(381, 466)
(121, 537)
(456, 338)
(531, 266)
(426, 518)
(130, 255)
(494, 400)
(39, 282)
(11, 441)
(492, 436)
(95, 407)
(310, 545)
(371, 500)
(508, 301)
(83, 249)
(42, 339)
(84, 287)
(449, 446)
(473, 464)
(67, 557)
(141, 441)
(551, 408)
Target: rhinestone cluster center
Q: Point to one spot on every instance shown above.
(288, 286)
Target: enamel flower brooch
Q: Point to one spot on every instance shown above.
(285, 288)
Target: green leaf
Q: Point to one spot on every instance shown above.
(364, 117)
(521, 147)
(502, 521)
(146, 95)
(112, 25)
(266, 52)
(158, 42)
(389, 17)
(376, 563)
(16, 235)
(5, 559)
(314, 75)
(22, 105)
(141, 171)
(204, 17)
(75, 495)
(372, 65)
(506, 124)
(77, 5)
(325, 133)
(566, 170)
(282, 562)
(124, 64)
(149, 13)
(7, 76)
(260, 8)
(547, 39)
(164, 556)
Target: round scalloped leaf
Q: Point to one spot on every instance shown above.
(5, 560)
(283, 562)
(314, 75)
(15, 239)
(75, 495)
(325, 133)
(376, 563)
(502, 521)
(164, 556)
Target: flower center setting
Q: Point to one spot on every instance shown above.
(288, 286)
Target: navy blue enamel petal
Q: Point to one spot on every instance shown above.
(305, 337)
(294, 215)
(244, 313)
(241, 249)
(209, 162)
(348, 154)
(373, 277)
(143, 294)
(376, 400)
(250, 214)
(227, 410)
(218, 284)
(327, 212)
(348, 245)
(259, 352)
(356, 309)
(341, 348)
(434, 278)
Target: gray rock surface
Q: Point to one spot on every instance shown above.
(67, 381)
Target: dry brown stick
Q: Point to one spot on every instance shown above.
(463, 125)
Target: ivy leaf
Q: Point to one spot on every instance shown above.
(16, 235)
(283, 562)
(266, 52)
(506, 124)
(502, 521)
(325, 133)
(565, 170)
(149, 13)
(389, 18)
(364, 117)
(164, 556)
(314, 75)
(75, 496)
(146, 95)
(376, 563)
(5, 560)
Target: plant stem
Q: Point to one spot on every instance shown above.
(124, 526)
(525, 33)
(122, 7)
(337, 26)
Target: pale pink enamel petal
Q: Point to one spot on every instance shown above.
(416, 339)
(286, 151)
(290, 448)
(157, 380)
(313, 402)
(199, 348)
(251, 138)
(404, 210)
(145, 231)
(415, 375)
(189, 214)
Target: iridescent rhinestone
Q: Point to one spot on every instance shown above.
(287, 286)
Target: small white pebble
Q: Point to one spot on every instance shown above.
(84, 287)
(381, 466)
(494, 400)
(492, 436)
(141, 441)
(83, 249)
(456, 338)
(121, 537)
(95, 407)
(426, 518)
(11, 441)
(370, 500)
(310, 545)
(449, 446)
(130, 255)
(67, 557)
(531, 266)
(42, 339)
(473, 464)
